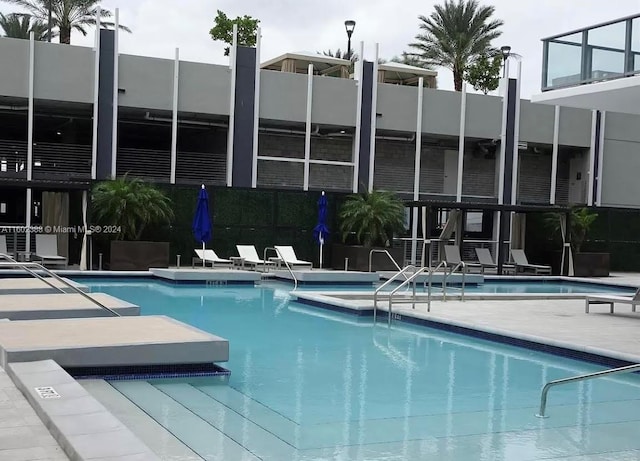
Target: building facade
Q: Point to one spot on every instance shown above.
(73, 115)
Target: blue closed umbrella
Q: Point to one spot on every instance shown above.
(202, 229)
(321, 231)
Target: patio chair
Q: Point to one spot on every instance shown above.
(486, 262)
(453, 258)
(249, 255)
(612, 299)
(46, 250)
(209, 256)
(521, 262)
(288, 254)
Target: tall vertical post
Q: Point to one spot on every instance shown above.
(461, 141)
(600, 159)
(374, 110)
(256, 112)
(307, 131)
(554, 156)
(516, 133)
(356, 140)
(96, 93)
(416, 171)
(174, 116)
(30, 117)
(592, 155)
(114, 129)
(232, 105)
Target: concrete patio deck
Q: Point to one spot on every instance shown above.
(30, 285)
(109, 341)
(62, 305)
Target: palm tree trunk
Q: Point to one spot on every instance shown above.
(457, 80)
(65, 35)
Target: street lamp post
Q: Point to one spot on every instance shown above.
(349, 25)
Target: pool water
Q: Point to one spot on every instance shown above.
(309, 384)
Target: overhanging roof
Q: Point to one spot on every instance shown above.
(618, 95)
(303, 59)
(405, 71)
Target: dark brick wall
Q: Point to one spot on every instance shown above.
(336, 149)
(535, 177)
(280, 174)
(330, 177)
(280, 145)
(479, 175)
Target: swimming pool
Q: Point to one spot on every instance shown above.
(310, 384)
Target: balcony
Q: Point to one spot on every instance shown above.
(598, 53)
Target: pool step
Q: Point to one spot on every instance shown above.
(201, 436)
(255, 438)
(157, 438)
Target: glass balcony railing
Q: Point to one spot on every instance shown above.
(602, 52)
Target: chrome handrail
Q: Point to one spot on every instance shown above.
(392, 279)
(26, 267)
(395, 263)
(464, 271)
(444, 285)
(550, 384)
(35, 274)
(264, 258)
(407, 281)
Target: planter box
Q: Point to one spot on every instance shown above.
(138, 256)
(359, 258)
(591, 264)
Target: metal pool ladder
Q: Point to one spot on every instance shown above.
(27, 267)
(550, 384)
(264, 258)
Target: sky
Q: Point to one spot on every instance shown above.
(160, 26)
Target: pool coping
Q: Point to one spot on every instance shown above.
(591, 354)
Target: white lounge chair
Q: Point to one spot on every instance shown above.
(209, 256)
(288, 254)
(520, 261)
(46, 250)
(486, 262)
(612, 299)
(453, 258)
(249, 255)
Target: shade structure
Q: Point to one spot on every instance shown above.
(321, 231)
(202, 228)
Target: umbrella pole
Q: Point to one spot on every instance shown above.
(321, 245)
(203, 256)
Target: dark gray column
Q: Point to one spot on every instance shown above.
(243, 118)
(365, 126)
(596, 158)
(105, 104)
(504, 232)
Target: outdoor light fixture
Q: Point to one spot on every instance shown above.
(506, 51)
(349, 26)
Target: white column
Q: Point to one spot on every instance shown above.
(461, 140)
(256, 112)
(96, 83)
(307, 132)
(603, 117)
(28, 220)
(232, 105)
(592, 156)
(30, 114)
(503, 132)
(174, 116)
(516, 138)
(356, 139)
(374, 110)
(416, 170)
(554, 156)
(114, 128)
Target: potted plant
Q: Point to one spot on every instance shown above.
(124, 208)
(367, 221)
(586, 264)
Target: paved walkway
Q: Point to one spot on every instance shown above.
(23, 436)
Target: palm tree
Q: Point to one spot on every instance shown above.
(455, 34)
(130, 205)
(18, 25)
(67, 15)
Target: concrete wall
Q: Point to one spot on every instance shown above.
(283, 96)
(441, 112)
(63, 73)
(334, 101)
(14, 71)
(483, 117)
(204, 88)
(536, 122)
(147, 82)
(398, 107)
(575, 127)
(621, 158)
